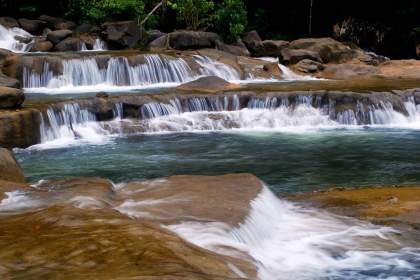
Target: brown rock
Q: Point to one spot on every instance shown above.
(19, 128)
(328, 49)
(349, 70)
(11, 98)
(32, 26)
(194, 198)
(238, 49)
(57, 23)
(121, 34)
(57, 36)
(69, 44)
(293, 56)
(211, 84)
(41, 46)
(9, 168)
(309, 66)
(8, 22)
(418, 50)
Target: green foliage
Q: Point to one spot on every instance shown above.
(193, 13)
(27, 9)
(231, 19)
(99, 11)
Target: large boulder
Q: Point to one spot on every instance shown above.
(291, 56)
(41, 45)
(83, 28)
(271, 48)
(32, 26)
(8, 22)
(11, 98)
(69, 44)
(349, 70)
(19, 128)
(6, 58)
(328, 49)
(121, 34)
(251, 39)
(183, 40)
(160, 43)
(238, 48)
(57, 23)
(152, 35)
(309, 66)
(57, 36)
(9, 168)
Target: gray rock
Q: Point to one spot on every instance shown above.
(238, 48)
(69, 44)
(309, 66)
(184, 40)
(121, 34)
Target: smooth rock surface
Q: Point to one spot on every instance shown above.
(9, 168)
(10, 98)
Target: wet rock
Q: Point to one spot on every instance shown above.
(55, 23)
(10, 186)
(237, 48)
(9, 168)
(8, 82)
(385, 205)
(349, 70)
(328, 49)
(41, 45)
(293, 56)
(184, 40)
(160, 43)
(57, 36)
(69, 44)
(8, 22)
(251, 39)
(121, 34)
(83, 28)
(140, 250)
(309, 66)
(34, 27)
(272, 48)
(102, 95)
(193, 198)
(211, 83)
(19, 128)
(11, 98)
(401, 68)
(152, 35)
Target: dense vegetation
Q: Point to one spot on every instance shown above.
(391, 27)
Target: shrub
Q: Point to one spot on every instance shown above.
(230, 19)
(194, 13)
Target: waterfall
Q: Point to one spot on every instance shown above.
(210, 67)
(301, 243)
(8, 39)
(99, 45)
(63, 127)
(156, 69)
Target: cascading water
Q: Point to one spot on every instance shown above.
(214, 113)
(300, 243)
(86, 74)
(210, 67)
(8, 39)
(63, 127)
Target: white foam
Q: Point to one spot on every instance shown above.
(290, 242)
(9, 42)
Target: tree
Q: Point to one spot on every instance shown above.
(310, 17)
(230, 19)
(194, 13)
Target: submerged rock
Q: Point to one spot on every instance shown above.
(9, 169)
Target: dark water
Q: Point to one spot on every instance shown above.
(287, 162)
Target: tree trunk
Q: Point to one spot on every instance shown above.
(310, 17)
